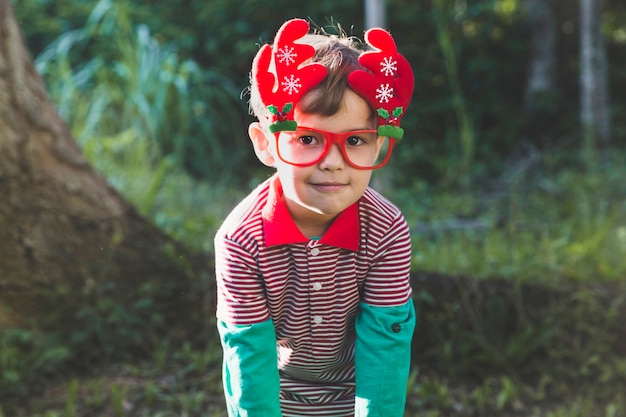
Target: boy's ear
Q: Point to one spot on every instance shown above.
(261, 144)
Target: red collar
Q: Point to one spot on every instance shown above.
(280, 229)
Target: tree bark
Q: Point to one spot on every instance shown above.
(65, 234)
(594, 92)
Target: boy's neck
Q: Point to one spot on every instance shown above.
(313, 227)
(311, 224)
(312, 232)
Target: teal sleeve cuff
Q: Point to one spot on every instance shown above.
(250, 369)
(382, 358)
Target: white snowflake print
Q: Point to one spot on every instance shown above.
(384, 93)
(286, 55)
(388, 66)
(291, 85)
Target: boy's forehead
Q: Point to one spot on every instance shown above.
(307, 99)
(353, 113)
(314, 95)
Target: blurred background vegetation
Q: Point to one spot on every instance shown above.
(505, 208)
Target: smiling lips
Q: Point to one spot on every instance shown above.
(329, 186)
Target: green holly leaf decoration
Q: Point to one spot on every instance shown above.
(287, 108)
(383, 113)
(273, 109)
(397, 112)
(391, 131)
(287, 125)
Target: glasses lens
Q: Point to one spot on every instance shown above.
(301, 147)
(367, 149)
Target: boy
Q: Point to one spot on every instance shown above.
(314, 303)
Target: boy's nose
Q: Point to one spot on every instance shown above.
(333, 159)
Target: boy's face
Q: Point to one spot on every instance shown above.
(316, 194)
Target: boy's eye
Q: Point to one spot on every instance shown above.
(355, 140)
(307, 140)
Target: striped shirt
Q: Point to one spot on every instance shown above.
(311, 289)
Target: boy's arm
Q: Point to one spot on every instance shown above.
(250, 370)
(250, 364)
(384, 327)
(382, 359)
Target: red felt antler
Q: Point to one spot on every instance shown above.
(388, 85)
(282, 88)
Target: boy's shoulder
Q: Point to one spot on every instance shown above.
(381, 219)
(246, 216)
(374, 204)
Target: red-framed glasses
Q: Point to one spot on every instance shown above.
(361, 149)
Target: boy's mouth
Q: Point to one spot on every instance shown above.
(329, 186)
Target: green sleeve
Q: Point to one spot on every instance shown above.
(382, 359)
(250, 369)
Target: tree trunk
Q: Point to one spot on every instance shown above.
(376, 16)
(65, 234)
(542, 60)
(375, 13)
(594, 92)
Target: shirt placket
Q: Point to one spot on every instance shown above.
(320, 299)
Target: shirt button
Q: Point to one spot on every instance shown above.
(396, 328)
(317, 319)
(315, 251)
(317, 286)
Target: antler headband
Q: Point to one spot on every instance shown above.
(280, 90)
(388, 86)
(282, 78)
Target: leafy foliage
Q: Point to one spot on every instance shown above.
(134, 87)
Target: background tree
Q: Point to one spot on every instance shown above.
(466, 129)
(375, 13)
(595, 117)
(376, 16)
(68, 238)
(542, 63)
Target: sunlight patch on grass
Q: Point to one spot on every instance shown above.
(569, 225)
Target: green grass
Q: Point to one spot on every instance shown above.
(188, 384)
(557, 224)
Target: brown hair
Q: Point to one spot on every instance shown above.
(339, 54)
